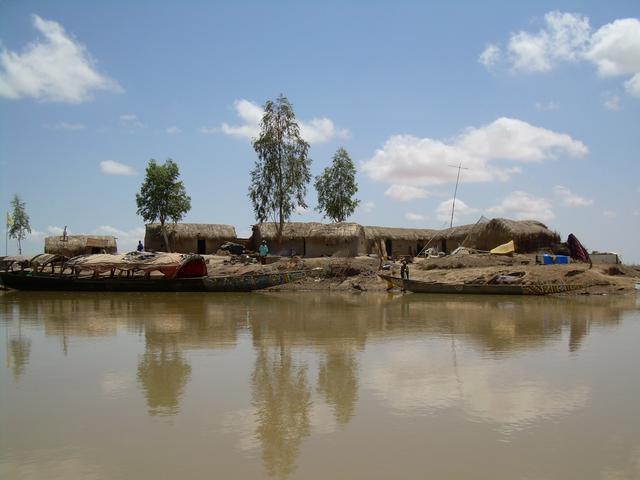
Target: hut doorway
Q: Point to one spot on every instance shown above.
(202, 246)
(388, 247)
(443, 245)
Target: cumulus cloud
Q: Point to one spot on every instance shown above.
(443, 211)
(614, 48)
(173, 130)
(415, 217)
(366, 207)
(570, 199)
(316, 130)
(54, 230)
(405, 193)
(524, 206)
(55, 68)
(490, 56)
(109, 167)
(546, 106)
(300, 210)
(419, 162)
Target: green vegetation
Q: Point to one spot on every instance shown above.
(18, 221)
(162, 196)
(281, 173)
(336, 188)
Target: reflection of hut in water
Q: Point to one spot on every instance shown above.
(72, 245)
(202, 238)
(397, 241)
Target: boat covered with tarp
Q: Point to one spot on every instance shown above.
(141, 272)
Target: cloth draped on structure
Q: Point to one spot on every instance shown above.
(171, 265)
(576, 250)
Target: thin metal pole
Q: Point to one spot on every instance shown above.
(455, 193)
(6, 236)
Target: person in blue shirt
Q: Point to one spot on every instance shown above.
(263, 250)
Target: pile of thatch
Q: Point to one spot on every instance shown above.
(373, 233)
(183, 231)
(73, 245)
(528, 235)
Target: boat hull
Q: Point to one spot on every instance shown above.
(241, 283)
(417, 286)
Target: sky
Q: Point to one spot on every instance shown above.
(539, 102)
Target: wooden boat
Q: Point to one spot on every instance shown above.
(179, 273)
(418, 286)
(231, 283)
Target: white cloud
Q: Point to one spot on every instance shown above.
(408, 160)
(546, 106)
(127, 239)
(524, 206)
(66, 126)
(570, 199)
(173, 130)
(609, 214)
(443, 211)
(612, 102)
(55, 68)
(614, 48)
(300, 210)
(208, 130)
(633, 85)
(35, 234)
(405, 193)
(131, 121)
(366, 207)
(109, 167)
(490, 56)
(317, 130)
(415, 217)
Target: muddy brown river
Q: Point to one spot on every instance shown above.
(318, 386)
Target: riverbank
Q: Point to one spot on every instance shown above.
(361, 273)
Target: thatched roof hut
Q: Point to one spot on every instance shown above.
(335, 239)
(397, 241)
(527, 235)
(202, 238)
(72, 245)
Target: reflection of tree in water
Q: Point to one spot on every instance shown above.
(163, 376)
(338, 382)
(18, 353)
(282, 401)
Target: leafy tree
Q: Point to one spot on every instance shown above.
(336, 188)
(281, 173)
(162, 196)
(18, 221)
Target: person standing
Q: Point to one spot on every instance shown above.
(404, 270)
(263, 250)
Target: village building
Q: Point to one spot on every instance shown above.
(396, 242)
(202, 238)
(73, 245)
(529, 236)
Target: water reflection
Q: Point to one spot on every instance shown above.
(315, 359)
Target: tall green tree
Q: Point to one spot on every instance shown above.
(281, 173)
(162, 196)
(18, 221)
(336, 188)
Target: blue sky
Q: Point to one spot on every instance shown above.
(539, 100)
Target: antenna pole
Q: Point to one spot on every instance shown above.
(455, 193)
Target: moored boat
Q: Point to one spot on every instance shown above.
(418, 286)
(141, 272)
